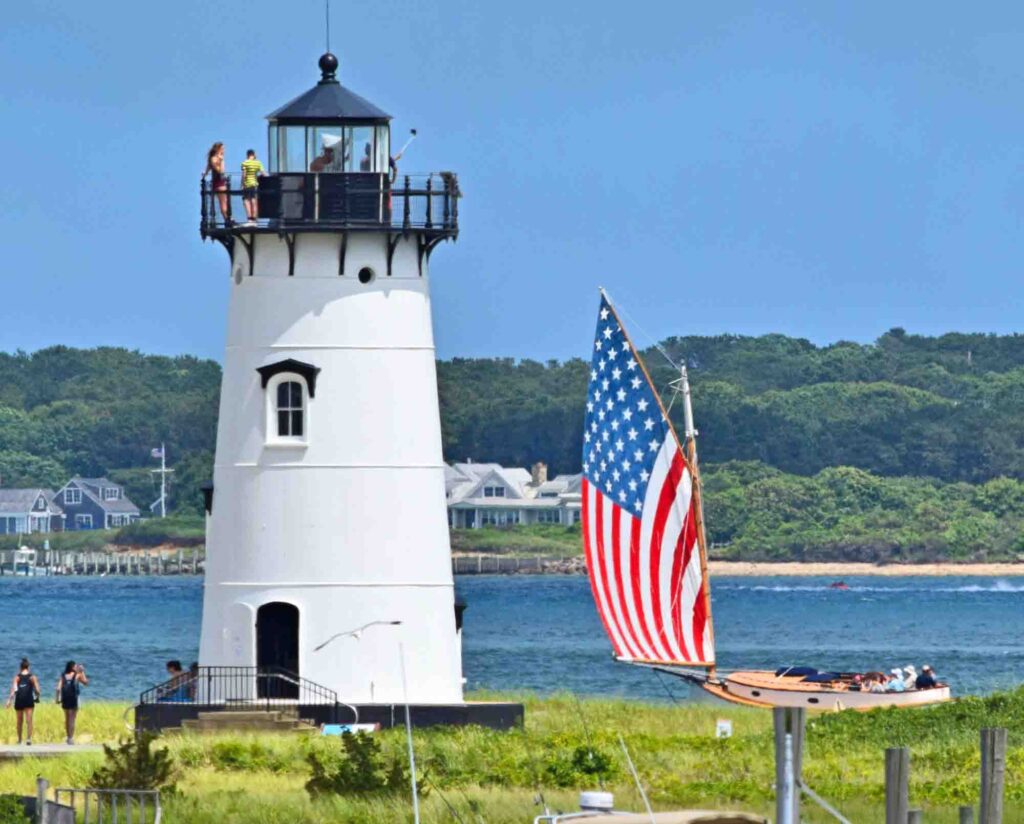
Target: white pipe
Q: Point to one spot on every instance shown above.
(408, 738)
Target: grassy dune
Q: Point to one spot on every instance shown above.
(494, 777)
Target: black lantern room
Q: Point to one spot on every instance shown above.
(329, 129)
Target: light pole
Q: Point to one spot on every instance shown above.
(355, 633)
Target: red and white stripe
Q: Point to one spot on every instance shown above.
(645, 572)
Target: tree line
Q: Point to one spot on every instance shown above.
(945, 408)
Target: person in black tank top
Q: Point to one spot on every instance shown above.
(68, 687)
(24, 695)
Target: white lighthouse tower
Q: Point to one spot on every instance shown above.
(327, 513)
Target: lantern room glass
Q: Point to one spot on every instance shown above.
(330, 148)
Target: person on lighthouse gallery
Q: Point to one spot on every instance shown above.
(252, 171)
(218, 180)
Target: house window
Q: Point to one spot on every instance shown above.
(72, 496)
(117, 520)
(83, 521)
(499, 517)
(549, 516)
(111, 493)
(494, 492)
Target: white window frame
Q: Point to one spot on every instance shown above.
(83, 520)
(271, 437)
(75, 493)
(495, 491)
(107, 496)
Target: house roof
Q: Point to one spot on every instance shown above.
(21, 501)
(122, 505)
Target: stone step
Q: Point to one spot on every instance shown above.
(249, 715)
(246, 722)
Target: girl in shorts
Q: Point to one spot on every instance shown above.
(24, 695)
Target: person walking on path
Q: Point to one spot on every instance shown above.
(252, 171)
(68, 687)
(24, 695)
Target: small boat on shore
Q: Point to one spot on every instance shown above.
(645, 545)
(20, 561)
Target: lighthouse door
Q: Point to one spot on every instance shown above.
(277, 649)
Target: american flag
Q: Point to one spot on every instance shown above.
(639, 516)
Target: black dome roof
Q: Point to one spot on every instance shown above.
(328, 100)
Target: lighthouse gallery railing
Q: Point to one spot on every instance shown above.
(333, 201)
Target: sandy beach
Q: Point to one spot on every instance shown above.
(840, 570)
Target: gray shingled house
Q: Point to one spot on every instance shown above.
(29, 510)
(95, 503)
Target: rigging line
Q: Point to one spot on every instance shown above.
(447, 803)
(635, 325)
(586, 735)
(327, 22)
(661, 680)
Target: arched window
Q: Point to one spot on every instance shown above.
(289, 385)
(291, 410)
(287, 410)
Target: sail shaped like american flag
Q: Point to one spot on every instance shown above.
(640, 513)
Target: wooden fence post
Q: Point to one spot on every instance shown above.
(41, 786)
(897, 785)
(993, 774)
(967, 815)
(915, 817)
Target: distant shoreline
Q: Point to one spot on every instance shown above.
(840, 569)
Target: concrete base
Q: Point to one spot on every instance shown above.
(493, 715)
(13, 752)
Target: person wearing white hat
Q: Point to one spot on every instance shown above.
(910, 682)
(896, 682)
(926, 680)
(330, 159)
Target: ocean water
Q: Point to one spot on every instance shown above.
(541, 632)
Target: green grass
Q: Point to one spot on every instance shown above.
(260, 778)
(536, 539)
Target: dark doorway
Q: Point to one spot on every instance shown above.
(277, 650)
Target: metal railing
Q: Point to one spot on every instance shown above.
(94, 806)
(242, 686)
(331, 201)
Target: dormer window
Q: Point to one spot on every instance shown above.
(290, 385)
(494, 492)
(72, 496)
(111, 493)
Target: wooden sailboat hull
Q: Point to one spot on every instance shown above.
(765, 689)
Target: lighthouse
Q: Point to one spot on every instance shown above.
(328, 558)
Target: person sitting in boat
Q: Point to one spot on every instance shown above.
(896, 682)
(926, 680)
(910, 682)
(877, 684)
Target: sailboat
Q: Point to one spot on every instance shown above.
(645, 545)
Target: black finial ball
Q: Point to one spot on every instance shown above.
(328, 65)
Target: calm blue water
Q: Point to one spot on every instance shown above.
(542, 633)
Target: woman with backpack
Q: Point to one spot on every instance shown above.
(24, 695)
(68, 687)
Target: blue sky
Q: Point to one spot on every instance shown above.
(822, 170)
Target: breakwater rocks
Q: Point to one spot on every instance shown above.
(504, 565)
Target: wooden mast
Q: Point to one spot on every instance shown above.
(690, 435)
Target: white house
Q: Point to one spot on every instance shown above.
(488, 494)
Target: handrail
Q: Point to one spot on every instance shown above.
(227, 685)
(336, 200)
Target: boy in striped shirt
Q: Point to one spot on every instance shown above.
(252, 171)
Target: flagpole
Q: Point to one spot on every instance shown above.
(690, 436)
(163, 480)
